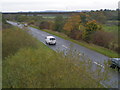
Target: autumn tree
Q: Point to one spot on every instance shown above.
(91, 27)
(72, 24)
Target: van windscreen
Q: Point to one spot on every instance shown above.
(52, 38)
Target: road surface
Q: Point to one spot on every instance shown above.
(62, 44)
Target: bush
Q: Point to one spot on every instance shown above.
(102, 38)
(91, 27)
(13, 39)
(44, 25)
(76, 34)
(32, 22)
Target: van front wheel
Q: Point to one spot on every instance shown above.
(54, 43)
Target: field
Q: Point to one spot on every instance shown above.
(34, 65)
(112, 28)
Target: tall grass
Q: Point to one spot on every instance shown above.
(13, 39)
(44, 68)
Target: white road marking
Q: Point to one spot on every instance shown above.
(64, 46)
(80, 54)
(103, 84)
(98, 64)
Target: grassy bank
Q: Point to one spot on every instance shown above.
(96, 48)
(41, 67)
(14, 39)
(31, 68)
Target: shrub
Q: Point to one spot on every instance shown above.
(76, 34)
(32, 22)
(102, 38)
(44, 25)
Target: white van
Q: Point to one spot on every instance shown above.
(50, 40)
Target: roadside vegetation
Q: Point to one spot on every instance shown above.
(97, 30)
(14, 39)
(31, 64)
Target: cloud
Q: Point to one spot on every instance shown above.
(40, 5)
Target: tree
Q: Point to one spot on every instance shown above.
(59, 23)
(91, 27)
(72, 24)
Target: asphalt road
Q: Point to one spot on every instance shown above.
(63, 45)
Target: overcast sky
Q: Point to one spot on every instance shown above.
(67, 5)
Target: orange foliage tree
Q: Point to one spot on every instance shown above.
(91, 27)
(72, 25)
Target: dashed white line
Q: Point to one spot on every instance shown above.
(64, 46)
(80, 54)
(95, 62)
(98, 64)
(103, 84)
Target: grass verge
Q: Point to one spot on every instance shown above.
(96, 48)
(13, 39)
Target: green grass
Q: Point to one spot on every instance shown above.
(112, 28)
(41, 67)
(96, 48)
